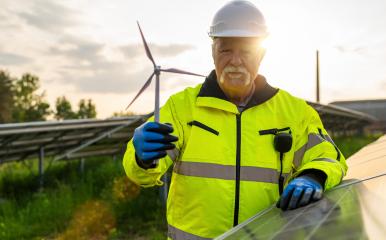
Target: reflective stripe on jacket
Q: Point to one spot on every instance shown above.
(224, 170)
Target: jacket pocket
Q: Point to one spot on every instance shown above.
(203, 126)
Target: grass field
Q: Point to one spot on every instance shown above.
(350, 145)
(99, 204)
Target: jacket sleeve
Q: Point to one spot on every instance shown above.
(152, 176)
(314, 149)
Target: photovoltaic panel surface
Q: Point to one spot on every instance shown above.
(355, 209)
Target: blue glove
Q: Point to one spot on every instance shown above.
(151, 140)
(300, 192)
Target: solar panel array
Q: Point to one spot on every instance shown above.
(343, 121)
(353, 210)
(66, 139)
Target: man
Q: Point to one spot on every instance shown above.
(234, 142)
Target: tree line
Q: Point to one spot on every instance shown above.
(21, 102)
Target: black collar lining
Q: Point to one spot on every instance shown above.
(210, 88)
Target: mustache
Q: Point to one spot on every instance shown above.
(235, 69)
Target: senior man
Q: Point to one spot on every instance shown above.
(234, 141)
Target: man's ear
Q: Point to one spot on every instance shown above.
(213, 49)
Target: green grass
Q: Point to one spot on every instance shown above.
(42, 214)
(29, 213)
(350, 145)
(26, 212)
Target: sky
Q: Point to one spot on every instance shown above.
(92, 49)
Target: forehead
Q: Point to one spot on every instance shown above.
(237, 41)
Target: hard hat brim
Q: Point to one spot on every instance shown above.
(238, 33)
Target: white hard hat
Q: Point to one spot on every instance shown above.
(238, 19)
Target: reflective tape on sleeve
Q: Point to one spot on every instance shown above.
(313, 140)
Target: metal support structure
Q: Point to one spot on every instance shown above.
(115, 159)
(94, 140)
(317, 78)
(41, 167)
(81, 165)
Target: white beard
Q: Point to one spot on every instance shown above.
(241, 70)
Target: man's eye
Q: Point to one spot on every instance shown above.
(224, 51)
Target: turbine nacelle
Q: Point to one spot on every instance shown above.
(157, 70)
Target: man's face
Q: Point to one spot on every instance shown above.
(237, 62)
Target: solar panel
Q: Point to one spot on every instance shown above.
(353, 210)
(66, 139)
(338, 119)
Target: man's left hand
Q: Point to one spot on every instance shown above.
(300, 192)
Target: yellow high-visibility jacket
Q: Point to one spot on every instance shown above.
(224, 170)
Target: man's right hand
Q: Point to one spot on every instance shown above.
(151, 140)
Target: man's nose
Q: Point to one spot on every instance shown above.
(236, 59)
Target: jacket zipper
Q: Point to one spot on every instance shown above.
(237, 191)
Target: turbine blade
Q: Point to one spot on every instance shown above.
(148, 53)
(146, 85)
(175, 70)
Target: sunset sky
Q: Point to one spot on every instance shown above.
(92, 49)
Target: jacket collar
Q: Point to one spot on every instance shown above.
(217, 98)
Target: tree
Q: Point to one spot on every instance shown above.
(64, 109)
(29, 105)
(124, 114)
(87, 109)
(6, 97)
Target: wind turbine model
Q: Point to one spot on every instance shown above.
(157, 72)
